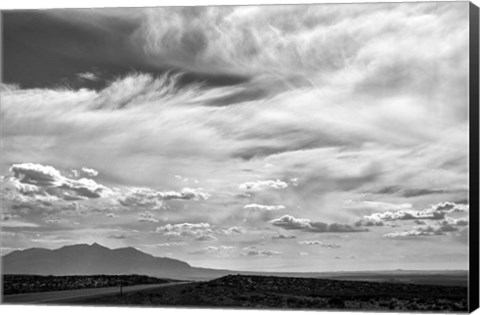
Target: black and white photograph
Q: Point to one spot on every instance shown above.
(286, 156)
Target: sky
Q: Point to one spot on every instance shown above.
(301, 138)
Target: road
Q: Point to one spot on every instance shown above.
(68, 296)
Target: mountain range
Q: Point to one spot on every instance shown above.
(95, 259)
(84, 259)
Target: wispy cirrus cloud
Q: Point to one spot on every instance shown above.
(263, 184)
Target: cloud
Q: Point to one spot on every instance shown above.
(18, 224)
(255, 113)
(435, 212)
(172, 244)
(220, 251)
(206, 238)
(289, 222)
(89, 171)
(369, 222)
(256, 252)
(441, 228)
(255, 206)
(262, 185)
(318, 243)
(421, 192)
(49, 219)
(39, 179)
(147, 217)
(150, 198)
(185, 229)
(8, 216)
(375, 206)
(231, 230)
(193, 193)
(88, 76)
(251, 40)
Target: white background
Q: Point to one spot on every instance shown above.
(57, 310)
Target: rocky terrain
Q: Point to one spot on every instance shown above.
(299, 293)
(15, 284)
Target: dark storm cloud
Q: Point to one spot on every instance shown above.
(85, 49)
(44, 48)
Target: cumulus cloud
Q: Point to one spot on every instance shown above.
(262, 185)
(231, 230)
(49, 219)
(221, 251)
(260, 252)
(147, 217)
(434, 212)
(150, 198)
(88, 76)
(289, 222)
(193, 193)
(172, 244)
(185, 229)
(89, 171)
(255, 206)
(369, 222)
(318, 243)
(46, 180)
(440, 228)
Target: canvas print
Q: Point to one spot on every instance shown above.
(263, 156)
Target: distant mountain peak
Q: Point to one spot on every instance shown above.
(97, 245)
(87, 259)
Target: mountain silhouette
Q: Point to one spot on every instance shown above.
(84, 259)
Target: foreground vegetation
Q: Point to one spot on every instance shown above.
(298, 293)
(15, 284)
